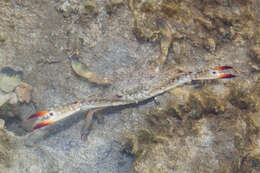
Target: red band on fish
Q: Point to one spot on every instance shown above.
(42, 124)
(226, 75)
(223, 68)
(39, 114)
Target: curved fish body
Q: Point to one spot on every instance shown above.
(53, 115)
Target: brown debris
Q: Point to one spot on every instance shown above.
(23, 92)
(82, 70)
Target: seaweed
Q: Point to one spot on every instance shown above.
(224, 124)
(196, 21)
(6, 147)
(113, 5)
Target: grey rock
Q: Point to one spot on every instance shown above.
(9, 79)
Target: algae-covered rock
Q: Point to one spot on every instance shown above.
(112, 5)
(223, 169)
(205, 24)
(8, 98)
(198, 132)
(243, 98)
(203, 103)
(6, 147)
(175, 9)
(90, 7)
(210, 45)
(2, 124)
(186, 125)
(255, 117)
(251, 164)
(255, 54)
(9, 79)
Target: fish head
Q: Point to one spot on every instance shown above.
(48, 117)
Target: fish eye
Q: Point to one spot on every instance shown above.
(51, 113)
(214, 72)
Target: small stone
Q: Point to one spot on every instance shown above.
(255, 119)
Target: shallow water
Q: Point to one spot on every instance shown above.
(202, 127)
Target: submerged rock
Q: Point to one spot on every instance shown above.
(9, 79)
(8, 98)
(112, 5)
(6, 146)
(90, 7)
(195, 131)
(255, 54)
(2, 124)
